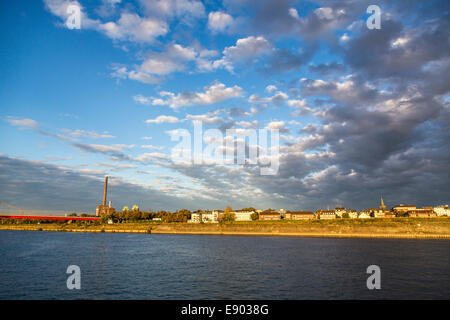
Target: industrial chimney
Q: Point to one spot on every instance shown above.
(104, 192)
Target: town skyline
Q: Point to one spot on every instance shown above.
(361, 110)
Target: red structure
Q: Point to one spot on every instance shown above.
(49, 218)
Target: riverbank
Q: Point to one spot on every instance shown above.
(407, 228)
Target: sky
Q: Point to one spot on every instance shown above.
(361, 112)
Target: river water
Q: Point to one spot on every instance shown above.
(149, 266)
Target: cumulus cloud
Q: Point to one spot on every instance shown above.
(132, 27)
(246, 50)
(277, 99)
(164, 119)
(216, 92)
(129, 27)
(277, 125)
(219, 21)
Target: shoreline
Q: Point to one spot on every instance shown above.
(276, 233)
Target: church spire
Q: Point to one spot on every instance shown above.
(382, 206)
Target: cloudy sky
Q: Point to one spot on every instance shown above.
(361, 112)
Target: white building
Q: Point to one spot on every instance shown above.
(364, 214)
(339, 211)
(195, 218)
(205, 217)
(443, 210)
(211, 217)
(352, 214)
(243, 215)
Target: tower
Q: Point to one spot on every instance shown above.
(103, 208)
(104, 191)
(382, 206)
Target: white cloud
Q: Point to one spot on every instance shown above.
(293, 13)
(141, 99)
(24, 123)
(151, 156)
(245, 49)
(86, 134)
(122, 72)
(301, 107)
(132, 27)
(219, 21)
(278, 98)
(175, 58)
(59, 9)
(164, 119)
(277, 125)
(271, 88)
(216, 92)
(205, 118)
(151, 147)
(247, 124)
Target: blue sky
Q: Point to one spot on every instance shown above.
(361, 112)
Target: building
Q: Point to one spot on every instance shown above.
(352, 214)
(243, 215)
(377, 213)
(299, 215)
(443, 210)
(195, 217)
(339, 211)
(269, 215)
(389, 214)
(210, 217)
(422, 213)
(380, 212)
(364, 214)
(400, 209)
(325, 214)
(103, 209)
(204, 216)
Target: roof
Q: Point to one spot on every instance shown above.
(300, 212)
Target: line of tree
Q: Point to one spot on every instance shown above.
(136, 215)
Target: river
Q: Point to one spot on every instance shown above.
(33, 265)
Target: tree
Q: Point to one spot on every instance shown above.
(73, 214)
(135, 208)
(249, 209)
(345, 215)
(125, 208)
(254, 216)
(228, 215)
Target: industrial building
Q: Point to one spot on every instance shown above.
(104, 209)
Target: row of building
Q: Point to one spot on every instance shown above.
(339, 212)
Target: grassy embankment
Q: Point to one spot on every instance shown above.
(433, 228)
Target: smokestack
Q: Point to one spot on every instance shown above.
(104, 192)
